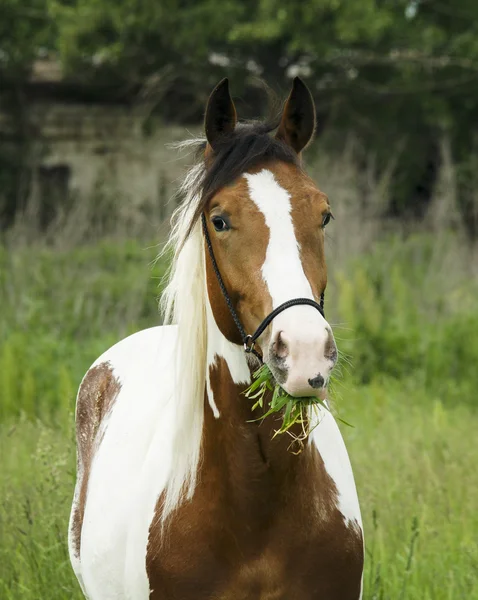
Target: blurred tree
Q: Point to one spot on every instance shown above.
(398, 73)
(26, 31)
(165, 49)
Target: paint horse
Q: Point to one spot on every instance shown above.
(181, 493)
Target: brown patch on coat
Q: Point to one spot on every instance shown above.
(309, 205)
(263, 523)
(96, 396)
(240, 254)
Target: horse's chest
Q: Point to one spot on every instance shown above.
(276, 532)
(296, 553)
(315, 569)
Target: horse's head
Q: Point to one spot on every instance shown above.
(265, 219)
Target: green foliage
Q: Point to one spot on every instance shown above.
(394, 55)
(403, 319)
(25, 31)
(125, 43)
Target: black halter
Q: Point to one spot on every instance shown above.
(250, 340)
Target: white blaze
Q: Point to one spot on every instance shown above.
(304, 328)
(282, 270)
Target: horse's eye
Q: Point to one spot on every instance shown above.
(326, 219)
(220, 224)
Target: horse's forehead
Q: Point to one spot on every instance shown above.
(268, 180)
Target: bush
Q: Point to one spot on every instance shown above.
(407, 319)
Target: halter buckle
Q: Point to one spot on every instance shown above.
(249, 344)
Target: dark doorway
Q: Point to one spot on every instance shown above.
(53, 184)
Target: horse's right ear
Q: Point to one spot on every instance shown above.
(298, 119)
(221, 117)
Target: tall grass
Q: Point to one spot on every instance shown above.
(413, 460)
(36, 483)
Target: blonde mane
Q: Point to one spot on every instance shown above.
(183, 302)
(184, 299)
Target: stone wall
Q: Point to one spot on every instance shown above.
(100, 154)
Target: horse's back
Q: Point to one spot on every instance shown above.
(125, 424)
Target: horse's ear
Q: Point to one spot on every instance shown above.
(298, 119)
(221, 114)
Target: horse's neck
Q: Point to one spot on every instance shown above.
(237, 448)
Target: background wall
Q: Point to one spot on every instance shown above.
(91, 154)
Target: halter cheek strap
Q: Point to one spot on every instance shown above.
(250, 340)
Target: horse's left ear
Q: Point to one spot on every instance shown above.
(221, 117)
(298, 119)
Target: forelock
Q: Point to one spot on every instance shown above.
(250, 145)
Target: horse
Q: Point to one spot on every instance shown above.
(181, 492)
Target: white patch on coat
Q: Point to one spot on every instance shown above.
(282, 269)
(234, 356)
(130, 468)
(329, 442)
(331, 446)
(133, 463)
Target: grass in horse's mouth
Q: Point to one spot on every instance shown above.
(294, 411)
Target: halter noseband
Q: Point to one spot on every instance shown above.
(250, 340)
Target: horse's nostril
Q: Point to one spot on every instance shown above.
(280, 347)
(330, 347)
(317, 382)
(332, 354)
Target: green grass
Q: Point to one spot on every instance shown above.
(410, 312)
(36, 484)
(415, 467)
(410, 394)
(414, 462)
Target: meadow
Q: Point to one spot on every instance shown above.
(405, 314)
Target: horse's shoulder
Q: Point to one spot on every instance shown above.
(132, 359)
(138, 349)
(104, 379)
